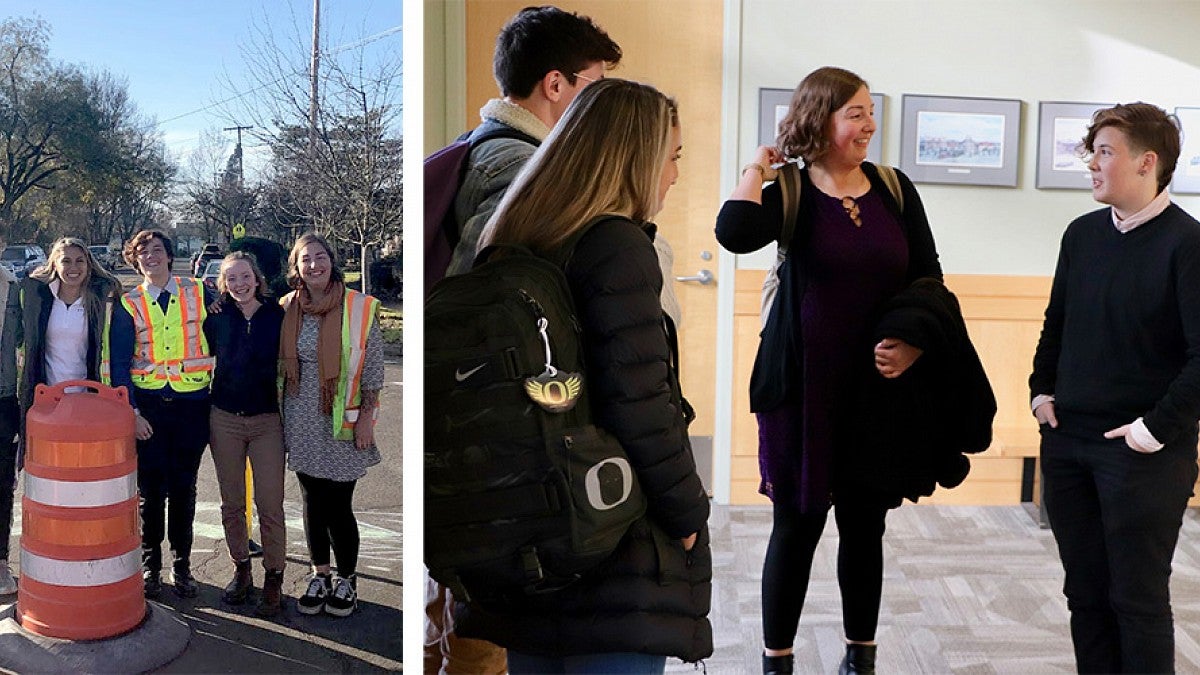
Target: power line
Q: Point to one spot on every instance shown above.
(336, 50)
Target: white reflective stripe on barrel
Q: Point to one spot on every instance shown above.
(80, 493)
(81, 573)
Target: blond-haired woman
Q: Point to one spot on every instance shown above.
(245, 424)
(332, 358)
(596, 182)
(65, 307)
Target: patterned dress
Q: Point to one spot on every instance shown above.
(308, 432)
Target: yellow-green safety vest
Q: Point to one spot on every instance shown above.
(170, 348)
(359, 312)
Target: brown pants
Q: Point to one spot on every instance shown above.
(445, 652)
(260, 438)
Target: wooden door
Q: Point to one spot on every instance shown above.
(674, 45)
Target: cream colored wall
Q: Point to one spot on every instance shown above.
(1032, 50)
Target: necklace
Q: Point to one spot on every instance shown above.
(850, 205)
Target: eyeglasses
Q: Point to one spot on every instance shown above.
(591, 80)
(851, 207)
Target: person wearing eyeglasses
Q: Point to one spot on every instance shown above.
(853, 248)
(544, 57)
(1116, 391)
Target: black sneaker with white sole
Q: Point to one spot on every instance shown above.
(344, 599)
(314, 599)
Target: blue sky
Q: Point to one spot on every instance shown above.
(177, 55)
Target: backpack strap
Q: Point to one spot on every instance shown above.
(892, 181)
(490, 132)
(789, 185)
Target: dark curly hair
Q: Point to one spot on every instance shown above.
(803, 132)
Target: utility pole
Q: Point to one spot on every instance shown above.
(239, 129)
(315, 69)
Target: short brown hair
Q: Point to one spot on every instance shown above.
(539, 40)
(804, 131)
(139, 241)
(1147, 128)
(293, 273)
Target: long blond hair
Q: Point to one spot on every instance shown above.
(101, 285)
(605, 156)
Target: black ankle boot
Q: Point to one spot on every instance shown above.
(859, 660)
(242, 584)
(777, 665)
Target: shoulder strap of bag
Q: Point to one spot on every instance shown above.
(789, 185)
(888, 174)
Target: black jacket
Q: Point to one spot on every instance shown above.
(650, 596)
(247, 353)
(36, 302)
(744, 227)
(910, 432)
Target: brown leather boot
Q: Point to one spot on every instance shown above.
(242, 584)
(272, 593)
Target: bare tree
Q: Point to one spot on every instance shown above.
(340, 172)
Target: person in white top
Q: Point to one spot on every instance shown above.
(62, 306)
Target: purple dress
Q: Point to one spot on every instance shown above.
(850, 272)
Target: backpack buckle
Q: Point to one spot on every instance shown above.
(531, 565)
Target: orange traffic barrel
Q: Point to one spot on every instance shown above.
(80, 539)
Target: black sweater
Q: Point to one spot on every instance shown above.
(1121, 338)
(247, 353)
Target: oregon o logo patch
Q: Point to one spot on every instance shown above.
(591, 483)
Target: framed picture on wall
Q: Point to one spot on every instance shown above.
(1186, 180)
(773, 106)
(964, 141)
(1061, 128)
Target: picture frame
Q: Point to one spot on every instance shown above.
(1186, 180)
(1061, 128)
(959, 140)
(773, 105)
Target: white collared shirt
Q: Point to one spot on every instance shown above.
(66, 340)
(153, 291)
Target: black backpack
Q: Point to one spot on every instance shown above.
(444, 171)
(523, 493)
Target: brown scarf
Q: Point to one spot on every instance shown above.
(329, 340)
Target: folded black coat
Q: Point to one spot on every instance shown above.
(908, 433)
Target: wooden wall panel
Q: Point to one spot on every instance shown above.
(1004, 317)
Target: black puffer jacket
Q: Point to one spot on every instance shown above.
(651, 596)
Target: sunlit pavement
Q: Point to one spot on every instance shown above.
(231, 639)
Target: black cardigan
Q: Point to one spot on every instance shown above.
(247, 354)
(910, 432)
(745, 227)
(650, 596)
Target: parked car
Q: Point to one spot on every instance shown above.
(207, 254)
(104, 256)
(209, 278)
(21, 259)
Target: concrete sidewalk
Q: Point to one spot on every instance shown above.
(230, 639)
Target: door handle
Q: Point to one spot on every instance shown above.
(705, 277)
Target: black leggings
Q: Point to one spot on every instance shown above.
(329, 520)
(794, 538)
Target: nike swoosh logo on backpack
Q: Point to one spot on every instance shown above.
(460, 376)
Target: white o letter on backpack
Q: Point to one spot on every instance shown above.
(591, 483)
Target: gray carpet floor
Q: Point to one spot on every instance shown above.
(966, 590)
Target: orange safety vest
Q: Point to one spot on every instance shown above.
(170, 347)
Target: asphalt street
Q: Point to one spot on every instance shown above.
(230, 639)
